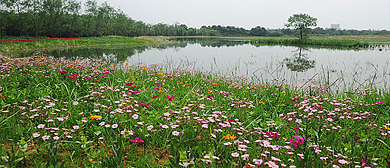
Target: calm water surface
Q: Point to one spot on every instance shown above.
(344, 68)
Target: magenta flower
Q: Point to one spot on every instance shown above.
(157, 88)
(143, 104)
(129, 84)
(63, 72)
(298, 140)
(379, 102)
(102, 76)
(271, 134)
(72, 77)
(170, 98)
(136, 140)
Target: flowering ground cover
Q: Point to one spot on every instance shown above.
(58, 112)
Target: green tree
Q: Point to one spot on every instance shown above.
(301, 23)
(258, 31)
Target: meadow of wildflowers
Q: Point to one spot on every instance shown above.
(56, 112)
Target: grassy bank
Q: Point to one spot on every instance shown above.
(350, 43)
(90, 114)
(9, 47)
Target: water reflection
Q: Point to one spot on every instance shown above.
(213, 42)
(238, 58)
(300, 61)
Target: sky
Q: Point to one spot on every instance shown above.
(273, 14)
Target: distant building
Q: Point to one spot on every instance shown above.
(335, 26)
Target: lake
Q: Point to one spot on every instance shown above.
(331, 67)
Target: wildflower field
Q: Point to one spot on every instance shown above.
(61, 113)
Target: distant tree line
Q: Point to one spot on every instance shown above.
(67, 18)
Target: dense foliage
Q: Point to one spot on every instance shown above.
(66, 18)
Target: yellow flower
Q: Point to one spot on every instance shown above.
(160, 73)
(283, 92)
(387, 128)
(262, 102)
(214, 84)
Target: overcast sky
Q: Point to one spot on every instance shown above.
(350, 14)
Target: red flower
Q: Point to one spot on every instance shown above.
(153, 97)
(295, 99)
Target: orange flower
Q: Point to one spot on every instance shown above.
(120, 61)
(181, 83)
(144, 68)
(214, 84)
(1, 95)
(96, 117)
(90, 160)
(296, 87)
(228, 136)
(160, 73)
(160, 91)
(127, 63)
(263, 86)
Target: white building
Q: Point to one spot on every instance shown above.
(335, 26)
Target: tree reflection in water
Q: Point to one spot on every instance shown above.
(299, 62)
